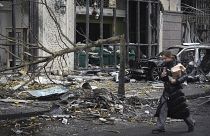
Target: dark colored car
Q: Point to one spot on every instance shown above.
(195, 57)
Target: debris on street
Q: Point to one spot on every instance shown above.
(57, 90)
(90, 96)
(65, 121)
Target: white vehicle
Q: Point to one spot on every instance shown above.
(190, 55)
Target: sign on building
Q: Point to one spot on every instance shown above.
(112, 3)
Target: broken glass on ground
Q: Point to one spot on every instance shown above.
(52, 91)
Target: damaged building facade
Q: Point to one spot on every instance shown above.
(196, 18)
(184, 21)
(138, 20)
(30, 23)
(150, 26)
(19, 19)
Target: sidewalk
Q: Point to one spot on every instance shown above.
(191, 91)
(11, 109)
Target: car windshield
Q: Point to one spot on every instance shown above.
(174, 50)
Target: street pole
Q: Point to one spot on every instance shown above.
(101, 33)
(87, 31)
(33, 31)
(127, 29)
(114, 34)
(149, 36)
(13, 64)
(121, 85)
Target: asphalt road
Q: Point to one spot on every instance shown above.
(200, 113)
(50, 127)
(85, 128)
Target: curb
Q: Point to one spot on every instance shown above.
(21, 115)
(12, 112)
(189, 97)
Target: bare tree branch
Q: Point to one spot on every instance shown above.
(52, 15)
(34, 75)
(53, 55)
(68, 50)
(20, 42)
(11, 53)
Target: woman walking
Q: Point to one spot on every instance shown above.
(172, 102)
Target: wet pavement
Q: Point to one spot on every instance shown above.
(88, 107)
(38, 126)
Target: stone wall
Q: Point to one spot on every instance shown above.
(172, 29)
(49, 36)
(171, 5)
(170, 24)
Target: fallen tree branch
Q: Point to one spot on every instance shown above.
(34, 75)
(66, 51)
(22, 43)
(52, 15)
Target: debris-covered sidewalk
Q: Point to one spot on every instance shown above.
(86, 97)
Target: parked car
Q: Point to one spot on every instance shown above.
(190, 55)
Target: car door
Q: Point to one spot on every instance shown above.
(204, 60)
(187, 55)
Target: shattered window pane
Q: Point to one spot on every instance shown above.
(187, 56)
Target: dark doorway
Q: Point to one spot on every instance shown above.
(143, 27)
(133, 21)
(94, 33)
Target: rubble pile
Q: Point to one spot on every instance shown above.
(89, 103)
(88, 95)
(21, 127)
(77, 96)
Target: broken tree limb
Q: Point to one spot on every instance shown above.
(87, 46)
(66, 51)
(60, 53)
(34, 76)
(10, 52)
(25, 45)
(121, 87)
(53, 17)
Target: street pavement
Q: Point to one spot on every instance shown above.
(200, 112)
(191, 91)
(15, 109)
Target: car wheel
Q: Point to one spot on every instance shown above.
(154, 74)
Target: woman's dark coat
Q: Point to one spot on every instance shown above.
(175, 98)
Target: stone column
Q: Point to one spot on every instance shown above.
(49, 35)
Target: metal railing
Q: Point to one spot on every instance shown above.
(91, 3)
